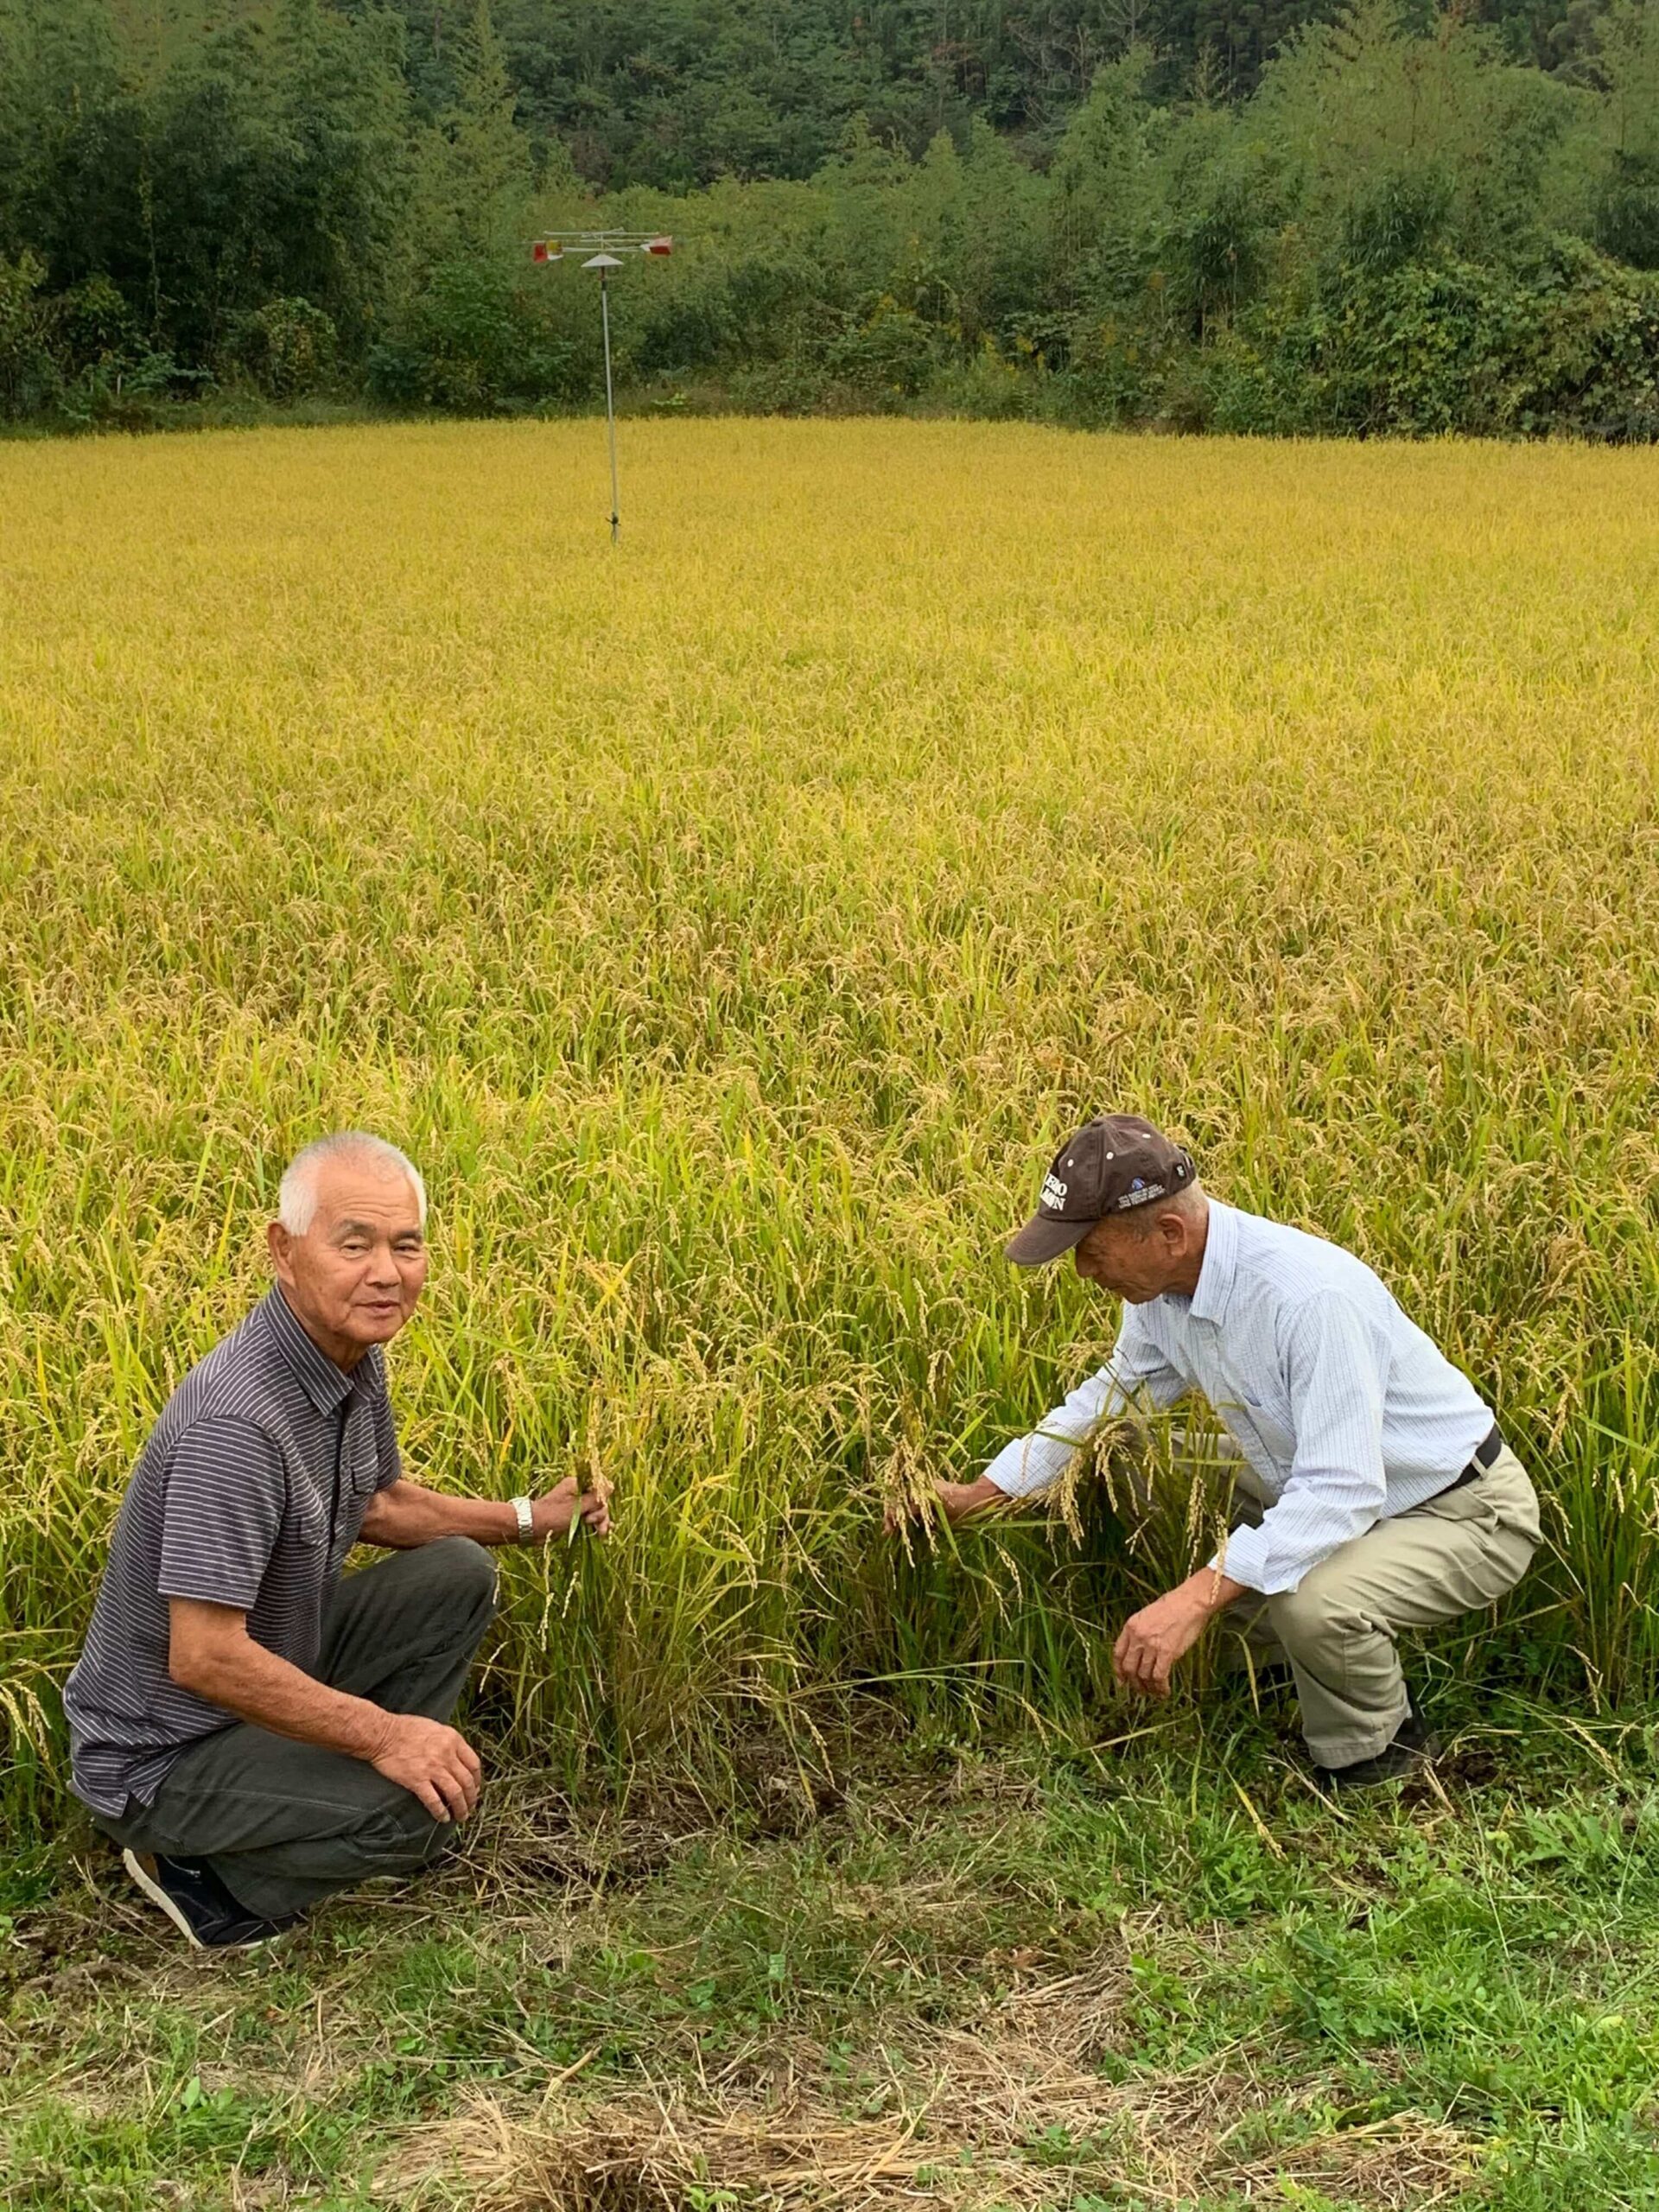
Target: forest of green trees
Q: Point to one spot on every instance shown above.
(1251, 215)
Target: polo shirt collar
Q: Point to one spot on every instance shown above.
(1220, 1264)
(326, 1385)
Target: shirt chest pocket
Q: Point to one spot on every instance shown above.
(310, 1496)
(359, 1472)
(1259, 1407)
(359, 1478)
(305, 1525)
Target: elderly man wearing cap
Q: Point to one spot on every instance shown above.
(1378, 1493)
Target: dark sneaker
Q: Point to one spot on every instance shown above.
(1412, 1750)
(198, 1903)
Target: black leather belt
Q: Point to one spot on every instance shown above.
(1484, 1455)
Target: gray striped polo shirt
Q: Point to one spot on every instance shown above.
(229, 1503)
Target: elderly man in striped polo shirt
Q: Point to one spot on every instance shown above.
(1376, 1492)
(256, 1729)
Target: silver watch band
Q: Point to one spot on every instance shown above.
(526, 1525)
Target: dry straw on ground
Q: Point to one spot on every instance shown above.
(730, 922)
(1003, 2111)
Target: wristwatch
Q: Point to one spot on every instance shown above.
(526, 1525)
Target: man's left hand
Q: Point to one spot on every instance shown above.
(1144, 1655)
(567, 1504)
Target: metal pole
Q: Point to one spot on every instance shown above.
(610, 402)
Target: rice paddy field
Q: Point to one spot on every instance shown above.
(731, 922)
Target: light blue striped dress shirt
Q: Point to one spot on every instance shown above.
(1345, 1411)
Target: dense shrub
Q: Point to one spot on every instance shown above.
(285, 348)
(28, 370)
(475, 339)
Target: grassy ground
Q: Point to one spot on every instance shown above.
(1169, 1975)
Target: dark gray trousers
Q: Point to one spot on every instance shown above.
(283, 1824)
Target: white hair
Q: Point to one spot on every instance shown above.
(296, 1195)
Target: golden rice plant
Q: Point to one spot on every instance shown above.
(732, 921)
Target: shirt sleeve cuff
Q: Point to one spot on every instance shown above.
(1243, 1558)
(1031, 1464)
(203, 1590)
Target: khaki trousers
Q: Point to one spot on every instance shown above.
(1461, 1551)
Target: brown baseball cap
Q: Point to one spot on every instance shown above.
(1113, 1165)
